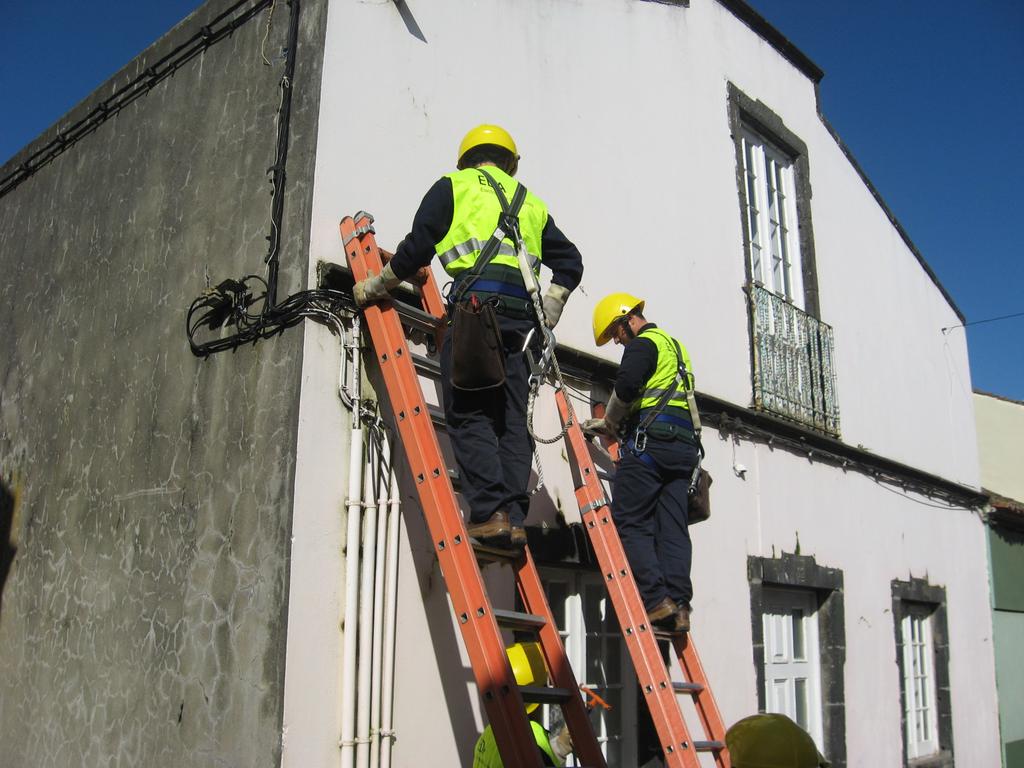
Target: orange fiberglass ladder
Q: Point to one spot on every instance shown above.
(478, 621)
(503, 700)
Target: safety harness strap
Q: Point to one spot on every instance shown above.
(638, 444)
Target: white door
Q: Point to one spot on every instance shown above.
(792, 672)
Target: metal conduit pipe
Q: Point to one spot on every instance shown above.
(390, 616)
(353, 507)
(364, 679)
(382, 475)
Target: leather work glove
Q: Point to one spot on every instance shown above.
(561, 743)
(419, 277)
(375, 287)
(609, 425)
(554, 302)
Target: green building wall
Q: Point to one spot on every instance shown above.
(1007, 554)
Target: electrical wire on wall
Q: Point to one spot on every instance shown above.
(891, 477)
(899, 482)
(248, 306)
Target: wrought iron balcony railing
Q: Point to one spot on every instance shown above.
(794, 375)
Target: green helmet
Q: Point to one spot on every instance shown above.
(771, 741)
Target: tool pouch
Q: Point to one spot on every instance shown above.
(699, 508)
(478, 355)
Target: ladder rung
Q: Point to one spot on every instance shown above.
(516, 620)
(708, 746)
(415, 318)
(666, 635)
(543, 694)
(692, 688)
(438, 420)
(486, 554)
(426, 365)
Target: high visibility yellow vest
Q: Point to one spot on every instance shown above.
(476, 215)
(664, 374)
(485, 755)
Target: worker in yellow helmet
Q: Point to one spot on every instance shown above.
(456, 222)
(528, 666)
(772, 741)
(650, 411)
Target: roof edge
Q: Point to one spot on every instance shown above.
(889, 214)
(803, 62)
(994, 396)
(775, 38)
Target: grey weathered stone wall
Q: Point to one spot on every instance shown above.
(142, 621)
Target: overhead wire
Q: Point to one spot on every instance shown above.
(980, 322)
(232, 302)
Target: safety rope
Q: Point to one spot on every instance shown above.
(556, 375)
(548, 364)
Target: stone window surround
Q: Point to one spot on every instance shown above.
(919, 591)
(802, 572)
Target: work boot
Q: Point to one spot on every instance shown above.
(664, 612)
(518, 536)
(494, 531)
(683, 619)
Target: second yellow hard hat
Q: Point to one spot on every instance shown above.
(527, 661)
(772, 741)
(610, 310)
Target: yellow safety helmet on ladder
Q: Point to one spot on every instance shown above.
(772, 741)
(610, 310)
(527, 661)
(487, 134)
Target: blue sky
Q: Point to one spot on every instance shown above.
(927, 94)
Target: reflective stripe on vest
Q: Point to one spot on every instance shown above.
(476, 214)
(485, 754)
(664, 373)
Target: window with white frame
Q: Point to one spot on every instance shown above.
(593, 644)
(771, 217)
(792, 669)
(922, 731)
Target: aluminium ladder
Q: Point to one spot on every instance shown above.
(479, 623)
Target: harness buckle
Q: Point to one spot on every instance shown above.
(539, 367)
(639, 442)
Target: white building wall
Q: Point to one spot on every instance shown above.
(619, 108)
(874, 535)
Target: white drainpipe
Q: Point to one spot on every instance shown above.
(353, 506)
(366, 584)
(371, 587)
(380, 564)
(390, 619)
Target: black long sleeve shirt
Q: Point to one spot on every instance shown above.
(433, 219)
(639, 361)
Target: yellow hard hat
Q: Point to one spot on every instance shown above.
(609, 310)
(528, 666)
(772, 741)
(488, 134)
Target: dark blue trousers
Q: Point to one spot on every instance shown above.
(488, 432)
(649, 507)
